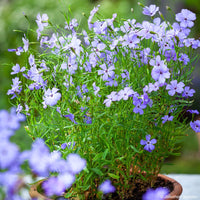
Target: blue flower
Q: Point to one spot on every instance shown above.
(157, 194)
(106, 187)
(174, 87)
(167, 118)
(149, 144)
(51, 97)
(195, 125)
(151, 10)
(9, 154)
(75, 163)
(186, 18)
(160, 72)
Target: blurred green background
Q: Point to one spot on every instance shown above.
(12, 18)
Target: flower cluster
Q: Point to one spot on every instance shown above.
(41, 161)
(107, 89)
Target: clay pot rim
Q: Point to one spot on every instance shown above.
(177, 191)
(174, 195)
(33, 192)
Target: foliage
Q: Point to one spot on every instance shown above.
(118, 90)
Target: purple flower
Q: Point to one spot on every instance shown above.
(18, 51)
(9, 154)
(87, 119)
(10, 120)
(130, 40)
(145, 31)
(39, 154)
(184, 58)
(110, 98)
(106, 72)
(67, 179)
(157, 194)
(186, 18)
(193, 111)
(170, 55)
(31, 60)
(42, 21)
(92, 13)
(139, 105)
(160, 72)
(125, 74)
(71, 117)
(51, 96)
(153, 87)
(57, 185)
(16, 88)
(174, 87)
(72, 24)
(75, 163)
(167, 118)
(16, 69)
(149, 144)
(188, 92)
(195, 125)
(106, 187)
(111, 82)
(68, 145)
(52, 186)
(151, 10)
(10, 181)
(125, 93)
(26, 43)
(96, 89)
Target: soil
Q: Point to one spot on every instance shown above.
(137, 193)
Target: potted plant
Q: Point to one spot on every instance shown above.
(115, 94)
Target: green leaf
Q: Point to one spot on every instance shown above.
(105, 154)
(137, 151)
(97, 171)
(113, 175)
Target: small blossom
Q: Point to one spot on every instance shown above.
(186, 18)
(174, 87)
(195, 125)
(9, 154)
(193, 111)
(18, 51)
(26, 43)
(167, 118)
(139, 106)
(151, 10)
(106, 72)
(110, 98)
(149, 144)
(92, 13)
(125, 93)
(160, 72)
(188, 92)
(75, 163)
(16, 88)
(16, 69)
(106, 187)
(184, 58)
(68, 145)
(155, 194)
(51, 97)
(71, 117)
(42, 21)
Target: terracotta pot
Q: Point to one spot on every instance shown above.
(177, 191)
(174, 195)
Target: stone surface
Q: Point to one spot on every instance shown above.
(190, 184)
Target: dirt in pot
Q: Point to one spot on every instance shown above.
(138, 191)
